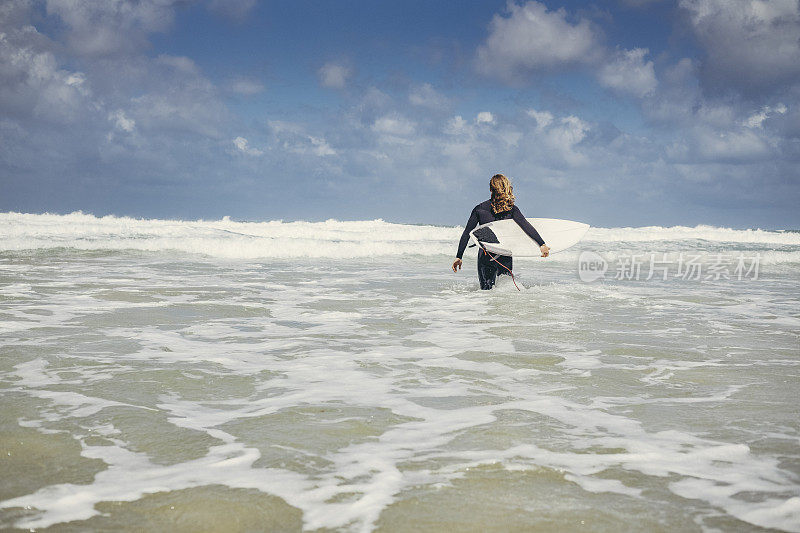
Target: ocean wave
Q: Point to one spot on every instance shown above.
(224, 238)
(700, 233)
(230, 239)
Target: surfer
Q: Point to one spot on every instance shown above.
(500, 206)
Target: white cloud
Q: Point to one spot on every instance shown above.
(158, 113)
(628, 72)
(542, 118)
(321, 147)
(246, 86)
(563, 136)
(334, 75)
(484, 117)
(113, 26)
(117, 27)
(557, 144)
(757, 120)
(293, 137)
(15, 13)
(32, 82)
(233, 9)
(243, 146)
(394, 125)
(178, 98)
(375, 98)
(751, 45)
(732, 145)
(677, 96)
(510, 136)
(710, 130)
(426, 96)
(180, 63)
(707, 145)
(680, 104)
(165, 112)
(121, 121)
(455, 126)
(458, 150)
(165, 94)
(533, 38)
(75, 79)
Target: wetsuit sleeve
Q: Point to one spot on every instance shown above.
(471, 223)
(526, 226)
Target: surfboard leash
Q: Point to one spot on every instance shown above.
(502, 265)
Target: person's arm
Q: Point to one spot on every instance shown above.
(526, 226)
(471, 223)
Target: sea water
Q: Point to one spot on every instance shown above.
(235, 376)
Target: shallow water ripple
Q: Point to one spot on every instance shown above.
(157, 391)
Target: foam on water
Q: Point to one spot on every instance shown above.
(350, 388)
(330, 239)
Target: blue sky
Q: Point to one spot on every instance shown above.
(629, 112)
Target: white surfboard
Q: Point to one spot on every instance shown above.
(505, 237)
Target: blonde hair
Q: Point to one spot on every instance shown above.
(502, 193)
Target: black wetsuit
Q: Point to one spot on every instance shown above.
(487, 268)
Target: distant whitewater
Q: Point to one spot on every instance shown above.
(332, 239)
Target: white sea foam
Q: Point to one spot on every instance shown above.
(699, 233)
(330, 239)
(347, 388)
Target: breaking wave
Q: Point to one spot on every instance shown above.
(230, 239)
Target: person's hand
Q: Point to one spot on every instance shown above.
(545, 250)
(457, 265)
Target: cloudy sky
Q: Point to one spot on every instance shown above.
(620, 112)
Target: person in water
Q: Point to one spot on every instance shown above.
(499, 207)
